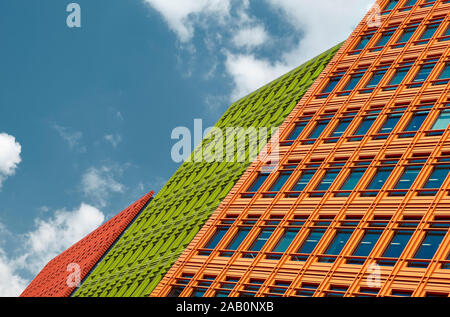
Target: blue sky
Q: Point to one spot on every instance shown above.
(86, 114)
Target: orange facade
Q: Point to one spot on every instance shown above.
(360, 202)
(55, 279)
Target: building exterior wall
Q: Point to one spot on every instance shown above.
(154, 242)
(360, 204)
(52, 281)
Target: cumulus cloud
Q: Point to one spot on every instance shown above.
(10, 158)
(48, 239)
(251, 37)
(181, 15)
(72, 137)
(98, 183)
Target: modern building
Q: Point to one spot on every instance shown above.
(360, 202)
(60, 277)
(148, 249)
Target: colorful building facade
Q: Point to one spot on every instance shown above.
(148, 249)
(360, 202)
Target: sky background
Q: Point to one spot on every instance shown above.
(86, 114)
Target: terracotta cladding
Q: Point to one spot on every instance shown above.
(360, 202)
(52, 280)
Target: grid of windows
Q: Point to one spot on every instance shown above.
(365, 187)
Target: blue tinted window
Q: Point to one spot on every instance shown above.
(408, 177)
(297, 131)
(429, 31)
(365, 125)
(445, 72)
(261, 239)
(340, 129)
(407, 35)
(399, 76)
(332, 84)
(337, 244)
(216, 238)
(286, 240)
(410, 3)
(443, 121)
(430, 244)
(303, 181)
(376, 78)
(390, 123)
(279, 183)
(424, 72)
(238, 238)
(327, 180)
(310, 243)
(416, 121)
(391, 5)
(352, 179)
(363, 42)
(366, 245)
(258, 183)
(384, 39)
(353, 81)
(397, 245)
(318, 129)
(437, 177)
(380, 178)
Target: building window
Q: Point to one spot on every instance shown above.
(379, 179)
(332, 83)
(408, 177)
(398, 243)
(434, 294)
(436, 179)
(214, 241)
(383, 40)
(444, 77)
(317, 131)
(286, 239)
(364, 40)
(352, 179)
(337, 244)
(430, 30)
(409, 4)
(299, 127)
(339, 130)
(365, 246)
(407, 35)
(309, 244)
(352, 82)
(368, 292)
(202, 286)
(446, 35)
(399, 76)
(302, 182)
(388, 125)
(365, 125)
(325, 182)
(262, 238)
(257, 184)
(234, 244)
(430, 244)
(307, 290)
(278, 184)
(252, 288)
(423, 73)
(226, 287)
(401, 293)
(376, 78)
(443, 121)
(414, 123)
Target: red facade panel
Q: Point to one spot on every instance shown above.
(52, 280)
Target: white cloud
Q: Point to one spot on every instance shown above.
(11, 284)
(72, 137)
(181, 15)
(48, 239)
(10, 158)
(98, 183)
(251, 37)
(250, 73)
(114, 139)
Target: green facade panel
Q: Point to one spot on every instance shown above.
(140, 259)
